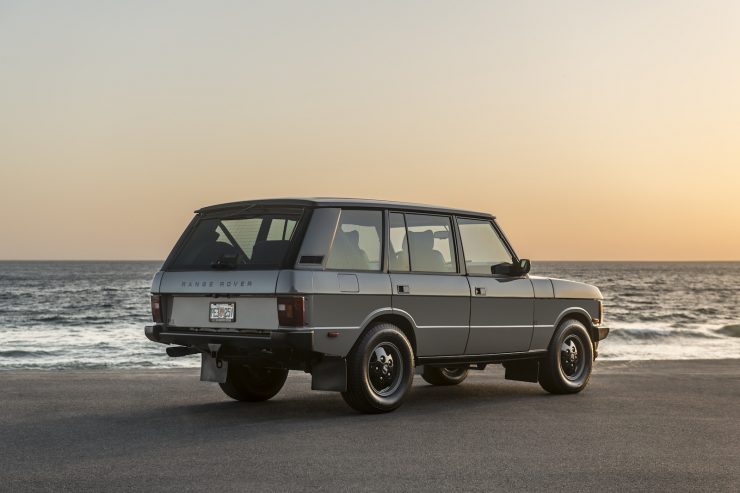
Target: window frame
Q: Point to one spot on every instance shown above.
(284, 229)
(497, 230)
(388, 245)
(383, 257)
(456, 250)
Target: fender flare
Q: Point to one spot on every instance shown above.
(390, 311)
(582, 315)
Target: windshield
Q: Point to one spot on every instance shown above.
(256, 241)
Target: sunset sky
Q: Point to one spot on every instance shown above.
(593, 130)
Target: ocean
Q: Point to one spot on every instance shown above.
(91, 315)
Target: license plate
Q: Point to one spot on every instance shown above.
(222, 312)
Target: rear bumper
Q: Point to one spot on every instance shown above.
(298, 341)
(292, 349)
(603, 332)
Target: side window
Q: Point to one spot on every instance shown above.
(399, 251)
(430, 243)
(357, 241)
(482, 246)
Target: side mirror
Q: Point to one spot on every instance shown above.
(513, 270)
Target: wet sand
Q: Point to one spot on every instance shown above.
(670, 425)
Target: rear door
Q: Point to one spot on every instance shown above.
(502, 307)
(427, 283)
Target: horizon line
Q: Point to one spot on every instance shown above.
(533, 260)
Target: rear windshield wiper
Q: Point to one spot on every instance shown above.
(222, 266)
(225, 262)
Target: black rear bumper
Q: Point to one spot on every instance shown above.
(275, 341)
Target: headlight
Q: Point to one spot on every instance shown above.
(597, 321)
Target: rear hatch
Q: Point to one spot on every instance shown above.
(223, 272)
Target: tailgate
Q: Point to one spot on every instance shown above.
(189, 295)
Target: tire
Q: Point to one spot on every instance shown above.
(380, 369)
(253, 383)
(567, 367)
(444, 376)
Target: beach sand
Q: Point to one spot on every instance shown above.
(649, 425)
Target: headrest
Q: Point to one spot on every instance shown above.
(353, 237)
(422, 239)
(269, 251)
(206, 235)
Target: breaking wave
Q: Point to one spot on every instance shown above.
(730, 330)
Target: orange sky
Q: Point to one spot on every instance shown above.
(593, 130)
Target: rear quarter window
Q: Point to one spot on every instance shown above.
(357, 241)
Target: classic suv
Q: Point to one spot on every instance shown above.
(359, 293)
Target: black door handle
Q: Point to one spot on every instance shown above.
(403, 289)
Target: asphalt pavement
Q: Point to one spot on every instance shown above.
(668, 426)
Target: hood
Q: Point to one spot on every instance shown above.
(575, 290)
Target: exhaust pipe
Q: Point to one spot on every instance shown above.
(177, 351)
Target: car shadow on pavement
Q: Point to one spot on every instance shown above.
(422, 398)
(159, 426)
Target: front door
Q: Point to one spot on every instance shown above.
(426, 282)
(502, 307)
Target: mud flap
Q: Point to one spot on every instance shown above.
(213, 369)
(329, 374)
(523, 371)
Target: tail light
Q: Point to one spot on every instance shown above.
(157, 309)
(291, 311)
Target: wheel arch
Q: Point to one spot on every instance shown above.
(581, 315)
(399, 318)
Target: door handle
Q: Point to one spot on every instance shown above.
(403, 289)
(480, 291)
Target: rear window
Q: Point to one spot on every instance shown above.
(256, 241)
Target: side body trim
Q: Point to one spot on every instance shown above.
(480, 358)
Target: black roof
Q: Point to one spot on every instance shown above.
(341, 202)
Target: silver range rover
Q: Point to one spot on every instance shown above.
(362, 294)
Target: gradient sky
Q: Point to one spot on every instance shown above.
(593, 130)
